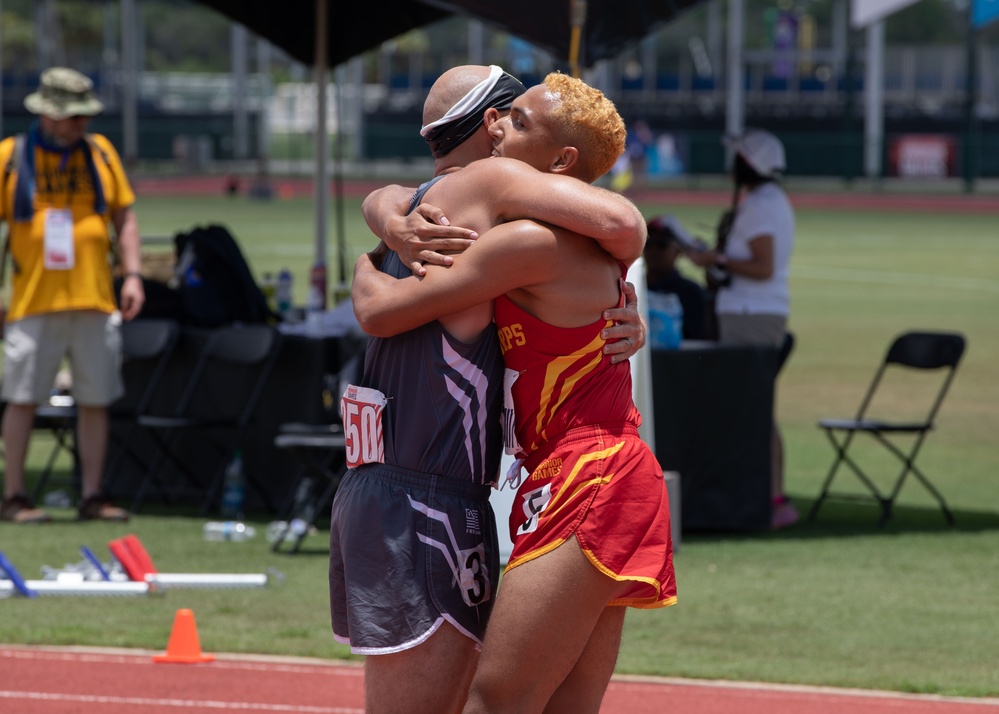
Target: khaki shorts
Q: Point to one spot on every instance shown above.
(34, 348)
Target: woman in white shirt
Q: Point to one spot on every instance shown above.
(753, 304)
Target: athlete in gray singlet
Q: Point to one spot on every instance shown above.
(426, 507)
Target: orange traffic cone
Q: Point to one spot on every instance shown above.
(184, 646)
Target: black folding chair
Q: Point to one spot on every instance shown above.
(321, 450)
(147, 348)
(925, 351)
(58, 417)
(247, 351)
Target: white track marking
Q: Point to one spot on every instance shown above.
(187, 704)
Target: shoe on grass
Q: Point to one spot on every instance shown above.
(98, 508)
(783, 513)
(21, 509)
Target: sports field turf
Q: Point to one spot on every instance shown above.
(910, 607)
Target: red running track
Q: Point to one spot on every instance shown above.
(36, 680)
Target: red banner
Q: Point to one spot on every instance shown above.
(923, 156)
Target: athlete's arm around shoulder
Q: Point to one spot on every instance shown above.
(383, 205)
(421, 236)
(517, 190)
(512, 255)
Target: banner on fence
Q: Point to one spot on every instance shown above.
(923, 156)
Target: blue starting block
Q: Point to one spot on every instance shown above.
(15, 577)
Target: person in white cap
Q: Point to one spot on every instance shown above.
(753, 305)
(62, 190)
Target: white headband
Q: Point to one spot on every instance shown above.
(470, 102)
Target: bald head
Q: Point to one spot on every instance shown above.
(451, 87)
(456, 105)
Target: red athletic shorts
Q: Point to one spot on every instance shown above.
(603, 485)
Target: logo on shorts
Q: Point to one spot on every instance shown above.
(547, 469)
(472, 525)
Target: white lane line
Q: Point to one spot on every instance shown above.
(320, 667)
(177, 703)
(814, 693)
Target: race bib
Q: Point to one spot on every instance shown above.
(59, 253)
(361, 412)
(473, 578)
(510, 443)
(532, 504)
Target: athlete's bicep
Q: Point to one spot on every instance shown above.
(605, 216)
(506, 257)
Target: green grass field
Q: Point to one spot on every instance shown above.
(911, 607)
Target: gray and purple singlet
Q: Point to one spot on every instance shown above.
(413, 540)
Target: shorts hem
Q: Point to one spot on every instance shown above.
(644, 603)
(393, 649)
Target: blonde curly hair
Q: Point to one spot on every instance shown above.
(589, 121)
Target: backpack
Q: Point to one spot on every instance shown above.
(215, 283)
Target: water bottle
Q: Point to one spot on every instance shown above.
(234, 487)
(268, 286)
(286, 531)
(283, 292)
(315, 303)
(317, 288)
(228, 531)
(57, 499)
(665, 321)
(674, 327)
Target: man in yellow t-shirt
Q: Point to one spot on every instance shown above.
(62, 190)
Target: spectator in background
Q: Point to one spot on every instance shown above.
(753, 306)
(641, 143)
(63, 191)
(662, 276)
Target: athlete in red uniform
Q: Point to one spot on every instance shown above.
(591, 475)
(599, 537)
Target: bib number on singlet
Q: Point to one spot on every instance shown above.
(510, 443)
(533, 505)
(361, 411)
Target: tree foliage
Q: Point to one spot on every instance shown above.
(186, 37)
(178, 35)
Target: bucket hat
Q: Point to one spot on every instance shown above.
(763, 151)
(63, 93)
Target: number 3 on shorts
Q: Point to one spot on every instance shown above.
(361, 412)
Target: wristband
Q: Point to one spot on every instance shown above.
(132, 274)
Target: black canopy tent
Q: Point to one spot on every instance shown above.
(579, 32)
(607, 27)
